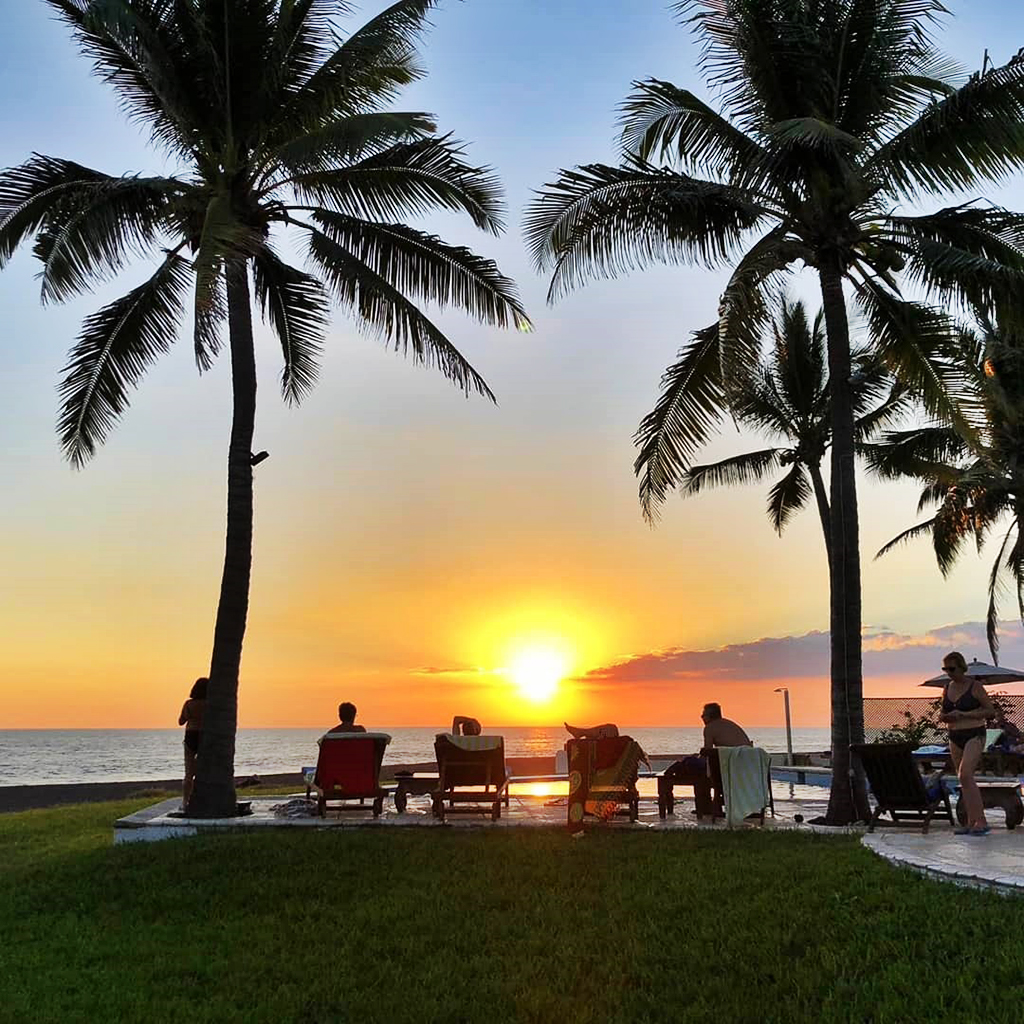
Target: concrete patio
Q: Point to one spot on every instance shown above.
(995, 861)
(527, 808)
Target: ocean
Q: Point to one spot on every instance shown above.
(36, 756)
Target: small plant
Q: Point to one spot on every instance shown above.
(916, 729)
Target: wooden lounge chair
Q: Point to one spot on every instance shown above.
(348, 768)
(898, 787)
(471, 771)
(602, 777)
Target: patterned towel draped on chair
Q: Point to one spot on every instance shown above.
(601, 775)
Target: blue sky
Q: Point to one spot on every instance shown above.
(399, 524)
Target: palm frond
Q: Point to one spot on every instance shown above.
(660, 119)
(745, 303)
(304, 38)
(922, 453)
(748, 468)
(386, 311)
(974, 134)
(113, 350)
(136, 48)
(994, 592)
(914, 341)
(36, 190)
(601, 221)
(692, 401)
(915, 531)
(364, 71)
(221, 238)
(88, 236)
(423, 267)
(296, 306)
(408, 179)
(788, 496)
(350, 138)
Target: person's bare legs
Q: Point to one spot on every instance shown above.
(190, 778)
(966, 764)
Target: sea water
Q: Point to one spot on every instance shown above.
(37, 756)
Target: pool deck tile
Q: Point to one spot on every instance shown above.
(154, 822)
(995, 861)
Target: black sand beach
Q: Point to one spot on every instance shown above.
(27, 798)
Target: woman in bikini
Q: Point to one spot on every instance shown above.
(965, 710)
(192, 718)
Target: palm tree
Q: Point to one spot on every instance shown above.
(786, 396)
(275, 123)
(834, 112)
(976, 481)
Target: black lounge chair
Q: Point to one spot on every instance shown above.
(471, 770)
(898, 787)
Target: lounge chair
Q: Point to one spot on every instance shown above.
(471, 771)
(348, 768)
(898, 787)
(602, 775)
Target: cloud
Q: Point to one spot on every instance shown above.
(885, 653)
(457, 670)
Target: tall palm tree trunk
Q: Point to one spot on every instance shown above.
(821, 499)
(214, 794)
(848, 798)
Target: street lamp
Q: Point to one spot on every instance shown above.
(789, 729)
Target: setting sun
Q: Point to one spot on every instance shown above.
(537, 673)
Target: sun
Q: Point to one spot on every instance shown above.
(537, 673)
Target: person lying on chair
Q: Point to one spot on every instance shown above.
(468, 726)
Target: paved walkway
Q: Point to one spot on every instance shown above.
(995, 861)
(525, 810)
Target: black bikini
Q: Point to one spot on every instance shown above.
(966, 702)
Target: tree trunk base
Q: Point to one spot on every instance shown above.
(210, 800)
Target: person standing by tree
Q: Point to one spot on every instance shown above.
(966, 708)
(192, 713)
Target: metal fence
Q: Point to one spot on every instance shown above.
(885, 714)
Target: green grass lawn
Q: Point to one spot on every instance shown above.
(510, 924)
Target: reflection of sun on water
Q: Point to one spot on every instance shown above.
(537, 673)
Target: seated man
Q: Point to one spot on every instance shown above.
(347, 719)
(721, 732)
(718, 732)
(595, 732)
(463, 726)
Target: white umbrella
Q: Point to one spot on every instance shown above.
(983, 671)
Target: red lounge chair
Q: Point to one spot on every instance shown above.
(349, 769)
(471, 770)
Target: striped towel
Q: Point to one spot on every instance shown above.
(744, 781)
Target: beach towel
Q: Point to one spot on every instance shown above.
(744, 781)
(601, 774)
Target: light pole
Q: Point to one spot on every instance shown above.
(784, 690)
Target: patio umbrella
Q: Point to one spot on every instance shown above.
(983, 671)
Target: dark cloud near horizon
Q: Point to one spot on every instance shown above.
(886, 653)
